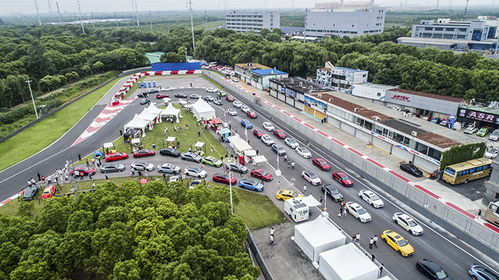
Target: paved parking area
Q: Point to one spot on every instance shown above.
(179, 81)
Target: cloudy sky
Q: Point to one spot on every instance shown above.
(28, 7)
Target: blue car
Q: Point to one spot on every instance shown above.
(479, 272)
(251, 184)
(246, 123)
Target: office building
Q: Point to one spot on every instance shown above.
(340, 78)
(258, 75)
(474, 30)
(491, 21)
(252, 21)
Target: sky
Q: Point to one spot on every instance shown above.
(87, 6)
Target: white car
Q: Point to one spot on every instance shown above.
(142, 166)
(267, 140)
(245, 108)
(303, 152)
(491, 153)
(470, 129)
(371, 198)
(195, 171)
(268, 126)
(232, 112)
(235, 80)
(174, 179)
(212, 90)
(311, 177)
(358, 212)
(237, 104)
(291, 142)
(167, 89)
(408, 223)
(494, 135)
(167, 100)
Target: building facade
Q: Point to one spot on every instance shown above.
(292, 91)
(340, 78)
(252, 21)
(344, 22)
(475, 30)
(488, 46)
(371, 91)
(257, 75)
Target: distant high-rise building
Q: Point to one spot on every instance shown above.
(252, 21)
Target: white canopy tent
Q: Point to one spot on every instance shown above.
(147, 116)
(137, 123)
(259, 159)
(347, 262)
(310, 201)
(171, 111)
(238, 144)
(154, 110)
(202, 110)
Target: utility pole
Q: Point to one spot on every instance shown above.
(38, 13)
(438, 4)
(137, 13)
(32, 98)
(466, 9)
(58, 11)
(50, 6)
(192, 28)
(230, 193)
(81, 18)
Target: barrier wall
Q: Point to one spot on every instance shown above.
(451, 217)
(176, 66)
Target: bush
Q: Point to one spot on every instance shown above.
(462, 153)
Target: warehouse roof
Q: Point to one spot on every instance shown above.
(267, 72)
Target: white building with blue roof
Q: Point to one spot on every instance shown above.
(258, 75)
(340, 78)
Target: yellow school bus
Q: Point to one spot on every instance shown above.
(470, 170)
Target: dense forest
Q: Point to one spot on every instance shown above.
(128, 232)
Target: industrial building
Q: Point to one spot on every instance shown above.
(252, 21)
(445, 28)
(340, 78)
(292, 90)
(258, 75)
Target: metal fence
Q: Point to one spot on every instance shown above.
(461, 225)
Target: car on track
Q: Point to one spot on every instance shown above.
(145, 101)
(236, 167)
(152, 90)
(82, 171)
(212, 161)
(432, 270)
(261, 174)
(180, 95)
(287, 194)
(478, 272)
(168, 168)
(30, 192)
(371, 198)
(237, 104)
(251, 115)
(143, 153)
(246, 123)
(258, 133)
(398, 243)
(267, 140)
(303, 152)
(111, 167)
(48, 192)
(116, 156)
(232, 112)
(268, 126)
(218, 102)
(279, 133)
(224, 179)
(411, 169)
(188, 156)
(171, 152)
(279, 149)
(142, 166)
(194, 96)
(358, 212)
(251, 184)
(291, 142)
(211, 90)
(161, 95)
(230, 98)
(245, 108)
(407, 223)
(343, 179)
(321, 163)
(311, 177)
(195, 171)
(482, 132)
(332, 192)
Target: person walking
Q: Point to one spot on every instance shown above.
(344, 212)
(381, 270)
(479, 212)
(93, 162)
(357, 238)
(39, 176)
(272, 231)
(293, 165)
(375, 240)
(372, 257)
(105, 176)
(199, 133)
(89, 176)
(304, 189)
(340, 212)
(271, 240)
(286, 157)
(132, 171)
(86, 163)
(371, 242)
(79, 157)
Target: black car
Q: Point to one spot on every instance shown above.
(411, 169)
(171, 152)
(236, 167)
(142, 94)
(218, 102)
(145, 101)
(180, 95)
(30, 192)
(112, 167)
(332, 192)
(432, 270)
(190, 157)
(153, 90)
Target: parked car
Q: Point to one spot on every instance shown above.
(358, 212)
(432, 270)
(268, 126)
(116, 156)
(166, 89)
(407, 223)
(168, 168)
(112, 167)
(224, 178)
(145, 101)
(311, 177)
(161, 95)
(246, 123)
(82, 171)
(251, 115)
(411, 169)
(303, 152)
(491, 153)
(236, 167)
(222, 93)
(291, 142)
(470, 129)
(209, 98)
(142, 166)
(267, 140)
(261, 174)
(482, 132)
(171, 152)
(180, 95)
(371, 198)
(232, 112)
(212, 90)
(48, 192)
(332, 192)
(279, 133)
(494, 136)
(237, 104)
(190, 157)
(478, 272)
(143, 153)
(229, 98)
(258, 133)
(321, 163)
(343, 179)
(218, 102)
(278, 149)
(194, 96)
(30, 192)
(211, 160)
(245, 108)
(195, 171)
(251, 184)
(398, 243)
(287, 194)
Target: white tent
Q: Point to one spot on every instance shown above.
(154, 110)
(317, 236)
(137, 122)
(347, 262)
(147, 116)
(238, 144)
(259, 159)
(202, 110)
(171, 111)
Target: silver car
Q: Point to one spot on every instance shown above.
(142, 166)
(494, 136)
(168, 168)
(195, 171)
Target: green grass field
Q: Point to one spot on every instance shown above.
(44, 133)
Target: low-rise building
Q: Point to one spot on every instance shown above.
(488, 46)
(371, 91)
(340, 78)
(252, 20)
(258, 75)
(292, 91)
(445, 28)
(486, 116)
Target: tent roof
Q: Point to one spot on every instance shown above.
(310, 201)
(170, 111)
(259, 159)
(319, 231)
(148, 116)
(153, 109)
(137, 122)
(202, 106)
(239, 144)
(335, 258)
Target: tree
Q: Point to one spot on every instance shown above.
(172, 57)
(26, 210)
(126, 270)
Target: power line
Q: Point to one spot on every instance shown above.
(192, 28)
(58, 11)
(81, 18)
(38, 13)
(137, 13)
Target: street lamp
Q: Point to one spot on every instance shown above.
(278, 171)
(32, 98)
(230, 193)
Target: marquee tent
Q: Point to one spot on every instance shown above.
(154, 110)
(138, 123)
(238, 144)
(148, 116)
(202, 110)
(171, 111)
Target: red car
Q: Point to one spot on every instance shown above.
(161, 95)
(116, 156)
(229, 98)
(279, 133)
(48, 192)
(258, 133)
(261, 174)
(343, 179)
(82, 171)
(321, 163)
(224, 178)
(251, 115)
(144, 153)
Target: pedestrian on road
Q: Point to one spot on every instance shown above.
(98, 160)
(106, 177)
(86, 163)
(372, 258)
(479, 212)
(93, 162)
(321, 199)
(29, 183)
(340, 213)
(139, 172)
(121, 132)
(304, 189)
(79, 157)
(293, 165)
(257, 152)
(381, 270)
(89, 176)
(39, 176)
(344, 212)
(286, 157)
(371, 242)
(357, 238)
(132, 171)
(271, 239)
(375, 239)
(272, 231)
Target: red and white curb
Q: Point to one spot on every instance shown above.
(414, 184)
(9, 199)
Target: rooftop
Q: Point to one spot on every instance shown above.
(342, 68)
(429, 95)
(489, 110)
(266, 72)
(443, 41)
(299, 85)
(378, 86)
(252, 66)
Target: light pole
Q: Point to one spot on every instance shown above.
(32, 98)
(230, 193)
(246, 133)
(278, 171)
(192, 28)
